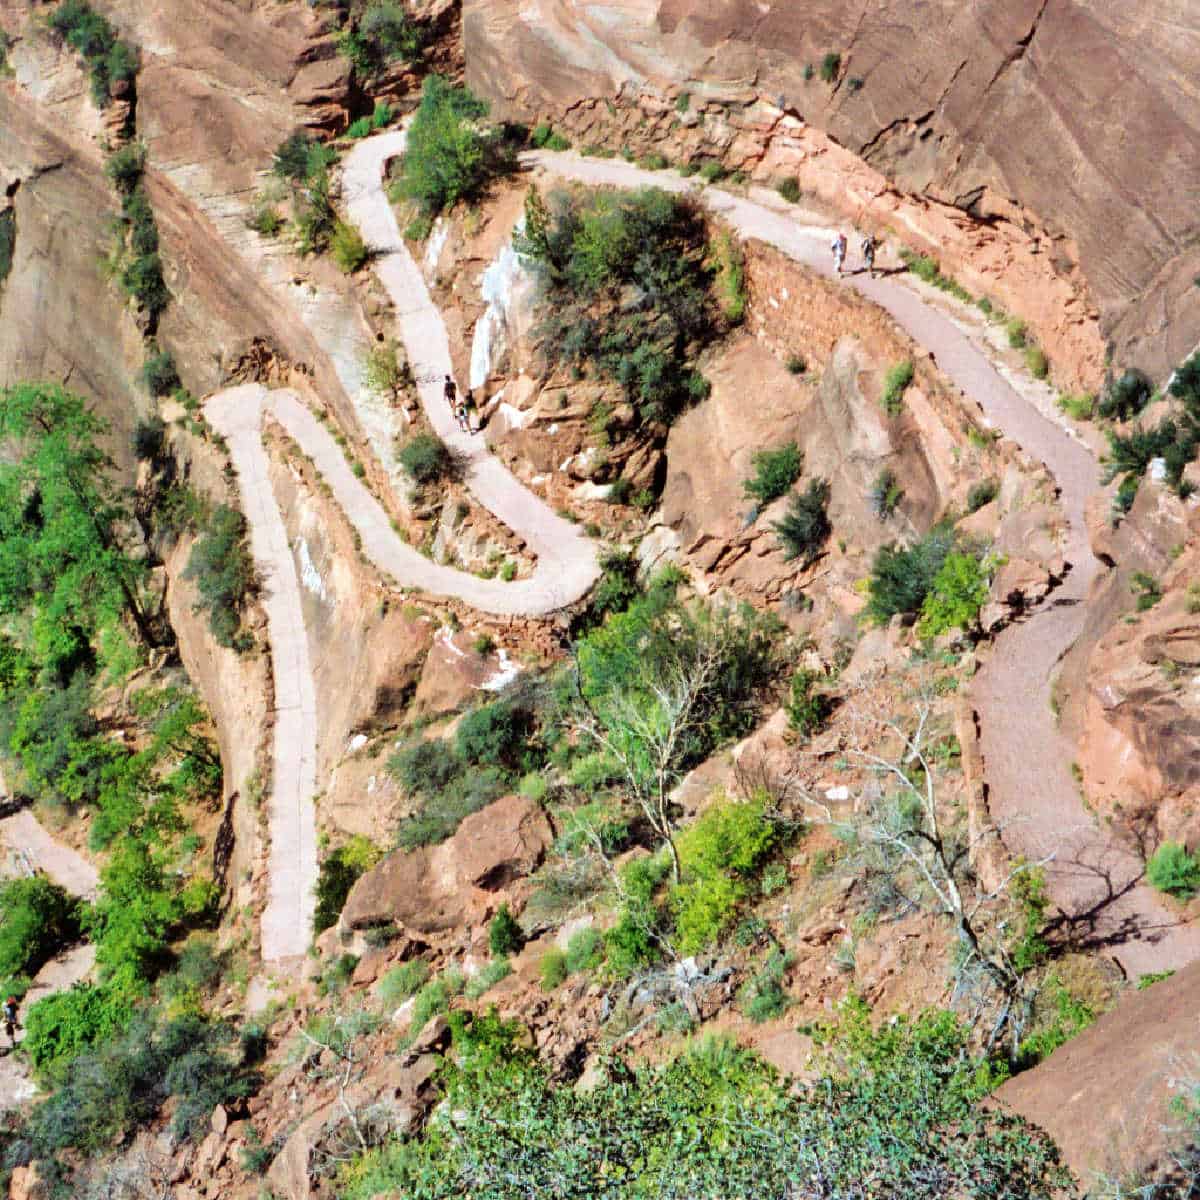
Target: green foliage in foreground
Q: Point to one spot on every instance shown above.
(1173, 870)
(451, 155)
(894, 1115)
(340, 870)
(959, 590)
(37, 918)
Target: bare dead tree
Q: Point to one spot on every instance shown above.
(903, 822)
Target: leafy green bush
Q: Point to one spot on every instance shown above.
(1069, 1017)
(158, 372)
(1146, 590)
(64, 1024)
(450, 156)
(885, 494)
(223, 571)
(493, 735)
(895, 384)
(544, 137)
(1125, 397)
(298, 157)
(482, 983)
(340, 870)
(808, 709)
(805, 527)
(383, 34)
(553, 969)
(426, 458)
(789, 189)
(762, 998)
(1079, 407)
(901, 577)
(831, 64)
(590, 249)
(796, 364)
(504, 934)
(109, 61)
(959, 590)
(712, 171)
(718, 854)
(896, 1107)
(585, 950)
(37, 918)
(774, 473)
(982, 493)
(1173, 870)
(403, 981)
(347, 247)
(125, 165)
(1017, 333)
(442, 813)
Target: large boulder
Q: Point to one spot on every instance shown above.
(432, 889)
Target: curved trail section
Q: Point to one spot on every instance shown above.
(1094, 879)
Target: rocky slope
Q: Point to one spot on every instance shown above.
(1000, 110)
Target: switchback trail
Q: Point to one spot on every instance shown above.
(1026, 758)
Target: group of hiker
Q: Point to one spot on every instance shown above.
(867, 246)
(463, 407)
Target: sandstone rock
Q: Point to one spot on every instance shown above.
(452, 674)
(219, 1120)
(502, 842)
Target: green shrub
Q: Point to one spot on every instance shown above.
(403, 981)
(434, 999)
(441, 813)
(544, 138)
(763, 997)
(895, 384)
(384, 33)
(1037, 362)
(982, 493)
(654, 161)
(1125, 397)
(774, 473)
(340, 870)
(1070, 1016)
(347, 247)
(1079, 407)
(885, 494)
(1173, 870)
(488, 977)
(37, 919)
(493, 735)
(831, 64)
(789, 189)
(158, 372)
(731, 277)
(808, 709)
(109, 61)
(64, 1024)
(1146, 589)
(383, 370)
(299, 157)
(959, 590)
(223, 572)
(125, 165)
(1017, 333)
(585, 950)
(901, 577)
(424, 766)
(712, 171)
(553, 969)
(450, 156)
(504, 934)
(148, 438)
(796, 364)
(8, 241)
(426, 458)
(805, 526)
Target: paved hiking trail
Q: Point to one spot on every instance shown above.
(32, 848)
(1030, 787)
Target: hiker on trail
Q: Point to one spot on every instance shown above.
(472, 408)
(11, 1024)
(460, 415)
(451, 390)
(838, 246)
(868, 253)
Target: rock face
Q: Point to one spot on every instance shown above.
(432, 889)
(1001, 110)
(1103, 1096)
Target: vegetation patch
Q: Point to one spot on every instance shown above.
(382, 34)
(340, 871)
(223, 572)
(895, 384)
(627, 283)
(110, 62)
(805, 527)
(1173, 870)
(902, 576)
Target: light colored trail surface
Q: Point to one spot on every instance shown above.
(1094, 879)
(29, 841)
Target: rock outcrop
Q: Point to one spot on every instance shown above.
(996, 114)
